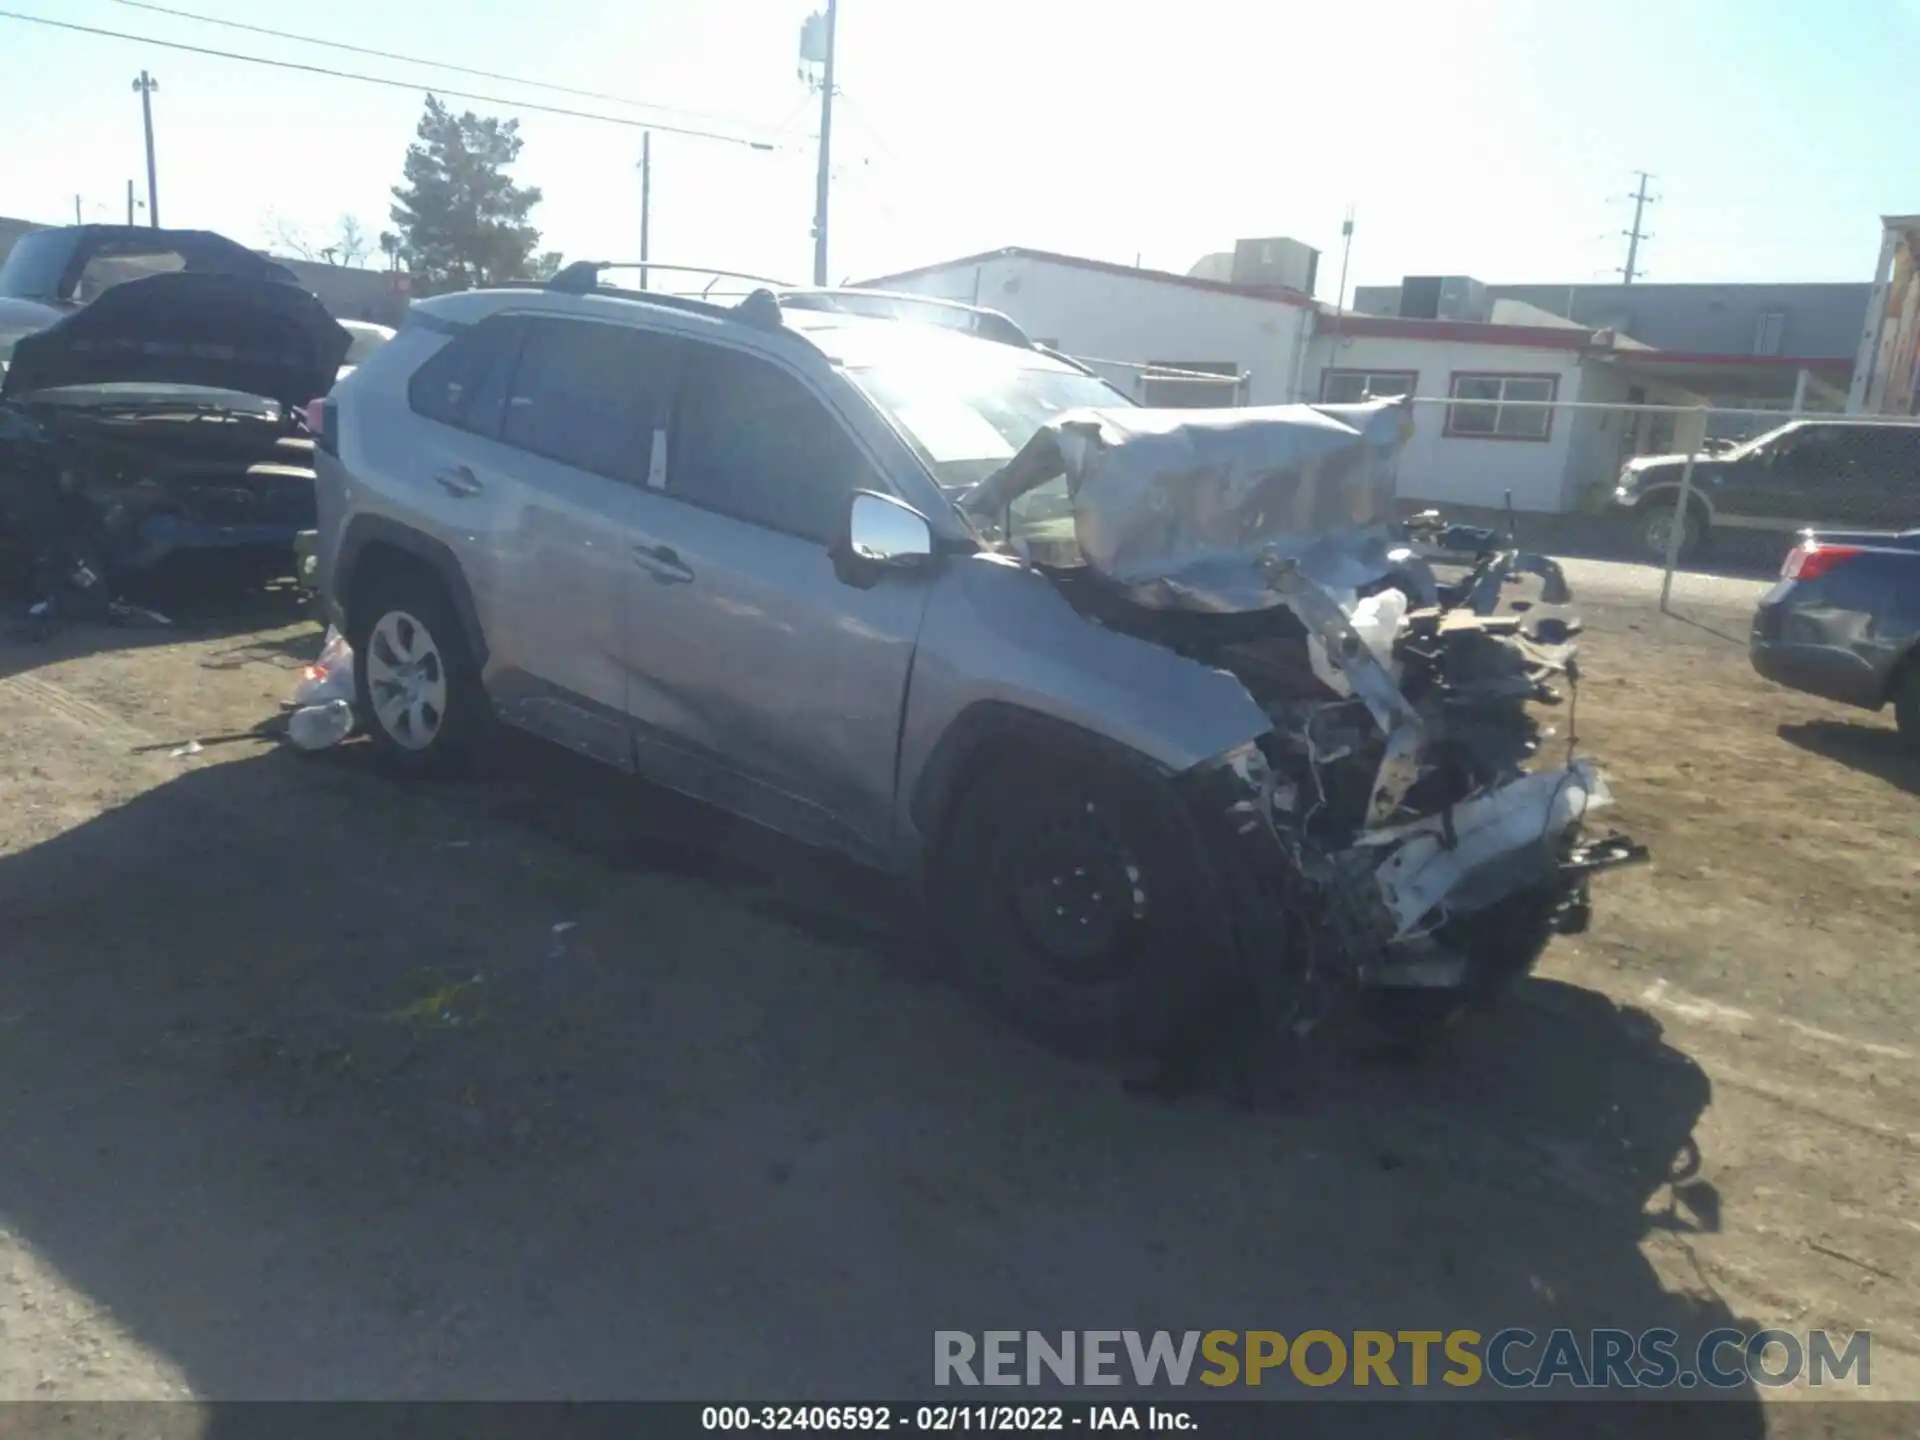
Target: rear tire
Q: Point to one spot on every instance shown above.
(1906, 703)
(1069, 892)
(418, 691)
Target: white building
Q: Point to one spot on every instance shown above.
(1549, 459)
(1274, 344)
(1102, 311)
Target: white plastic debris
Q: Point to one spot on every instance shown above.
(315, 727)
(192, 747)
(323, 700)
(1376, 620)
(330, 677)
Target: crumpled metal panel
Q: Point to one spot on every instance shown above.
(1179, 506)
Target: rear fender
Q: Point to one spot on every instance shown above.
(373, 539)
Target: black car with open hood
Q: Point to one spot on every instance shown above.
(68, 265)
(165, 415)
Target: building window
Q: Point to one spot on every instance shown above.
(1509, 407)
(1769, 331)
(1185, 388)
(1350, 387)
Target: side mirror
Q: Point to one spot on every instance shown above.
(882, 534)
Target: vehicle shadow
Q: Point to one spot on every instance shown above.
(325, 1087)
(179, 607)
(1874, 750)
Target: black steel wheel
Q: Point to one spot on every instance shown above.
(1070, 891)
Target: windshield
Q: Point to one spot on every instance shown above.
(969, 420)
(34, 267)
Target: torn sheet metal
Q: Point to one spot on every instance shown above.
(1493, 829)
(1179, 506)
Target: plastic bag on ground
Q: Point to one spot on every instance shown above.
(316, 727)
(330, 676)
(323, 700)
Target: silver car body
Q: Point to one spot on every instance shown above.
(745, 672)
(735, 661)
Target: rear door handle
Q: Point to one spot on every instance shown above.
(662, 563)
(458, 482)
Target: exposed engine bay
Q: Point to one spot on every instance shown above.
(163, 416)
(1409, 816)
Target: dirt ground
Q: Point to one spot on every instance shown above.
(546, 1085)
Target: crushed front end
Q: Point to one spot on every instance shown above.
(1407, 823)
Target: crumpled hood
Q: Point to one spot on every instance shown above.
(227, 332)
(1190, 509)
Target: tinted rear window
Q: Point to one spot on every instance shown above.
(444, 387)
(590, 395)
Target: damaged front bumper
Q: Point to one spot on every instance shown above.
(1460, 901)
(1450, 876)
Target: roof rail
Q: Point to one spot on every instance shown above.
(583, 276)
(760, 308)
(888, 305)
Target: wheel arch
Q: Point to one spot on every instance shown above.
(1669, 494)
(988, 728)
(374, 545)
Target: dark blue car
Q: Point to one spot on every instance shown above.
(1843, 622)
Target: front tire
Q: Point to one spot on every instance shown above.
(1656, 527)
(418, 690)
(1069, 892)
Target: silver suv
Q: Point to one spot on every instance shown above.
(1152, 706)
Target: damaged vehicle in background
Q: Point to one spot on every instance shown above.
(1154, 707)
(156, 407)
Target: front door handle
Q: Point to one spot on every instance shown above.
(458, 482)
(662, 563)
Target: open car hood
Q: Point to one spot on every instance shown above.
(227, 332)
(1191, 509)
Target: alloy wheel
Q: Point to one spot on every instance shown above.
(406, 680)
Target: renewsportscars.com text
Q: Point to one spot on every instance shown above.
(1511, 1359)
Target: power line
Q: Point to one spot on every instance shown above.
(416, 86)
(417, 60)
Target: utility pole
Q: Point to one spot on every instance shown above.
(1346, 251)
(1634, 236)
(76, 211)
(822, 180)
(129, 202)
(146, 85)
(646, 200)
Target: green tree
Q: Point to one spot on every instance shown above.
(460, 220)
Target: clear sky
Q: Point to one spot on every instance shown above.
(1495, 138)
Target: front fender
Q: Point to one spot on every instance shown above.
(1000, 645)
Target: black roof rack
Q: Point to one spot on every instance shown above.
(582, 277)
(889, 305)
(760, 308)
